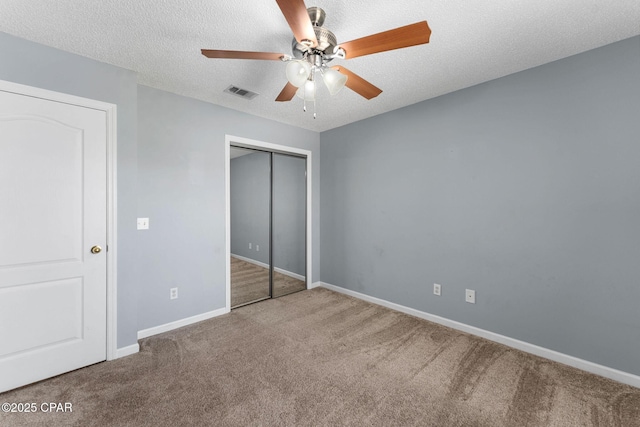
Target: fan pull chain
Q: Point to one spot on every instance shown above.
(314, 109)
(304, 98)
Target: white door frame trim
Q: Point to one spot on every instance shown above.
(112, 211)
(261, 145)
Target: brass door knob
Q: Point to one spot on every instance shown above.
(96, 249)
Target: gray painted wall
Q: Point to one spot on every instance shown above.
(36, 65)
(525, 188)
(250, 190)
(181, 189)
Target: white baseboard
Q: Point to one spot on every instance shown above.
(263, 265)
(127, 351)
(180, 323)
(250, 261)
(594, 368)
(315, 285)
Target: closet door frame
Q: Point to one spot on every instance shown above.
(274, 148)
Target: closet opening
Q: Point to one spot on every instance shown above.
(267, 211)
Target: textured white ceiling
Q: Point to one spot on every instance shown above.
(471, 42)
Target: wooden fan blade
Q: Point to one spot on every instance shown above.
(287, 93)
(409, 35)
(238, 54)
(295, 12)
(358, 84)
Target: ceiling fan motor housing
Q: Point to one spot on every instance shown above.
(326, 39)
(316, 15)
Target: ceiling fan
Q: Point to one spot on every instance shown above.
(314, 47)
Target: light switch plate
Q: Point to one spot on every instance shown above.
(143, 223)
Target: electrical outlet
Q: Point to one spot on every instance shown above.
(173, 293)
(437, 289)
(258, 248)
(249, 245)
(143, 223)
(470, 296)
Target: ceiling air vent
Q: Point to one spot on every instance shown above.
(242, 93)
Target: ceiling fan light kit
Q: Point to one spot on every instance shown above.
(307, 91)
(334, 80)
(301, 73)
(314, 46)
(298, 72)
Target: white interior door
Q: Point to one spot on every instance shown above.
(53, 196)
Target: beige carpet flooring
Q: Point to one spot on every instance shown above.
(250, 282)
(319, 358)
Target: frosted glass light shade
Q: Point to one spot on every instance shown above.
(298, 72)
(308, 91)
(334, 80)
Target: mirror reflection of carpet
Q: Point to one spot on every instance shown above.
(250, 282)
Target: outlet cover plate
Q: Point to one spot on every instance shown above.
(437, 289)
(470, 296)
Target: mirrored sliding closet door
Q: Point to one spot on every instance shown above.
(289, 224)
(250, 199)
(268, 225)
